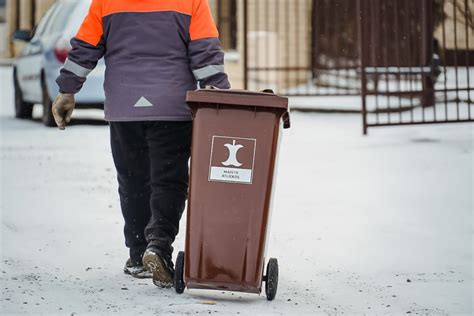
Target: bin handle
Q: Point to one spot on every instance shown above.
(286, 116)
(286, 120)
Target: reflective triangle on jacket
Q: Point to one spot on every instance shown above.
(142, 102)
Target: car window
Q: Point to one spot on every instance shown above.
(54, 19)
(75, 19)
(38, 31)
(61, 17)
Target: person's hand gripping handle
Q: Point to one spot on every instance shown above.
(63, 107)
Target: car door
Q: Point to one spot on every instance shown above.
(29, 63)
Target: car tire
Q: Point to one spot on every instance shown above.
(23, 110)
(48, 119)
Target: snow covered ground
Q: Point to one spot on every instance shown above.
(361, 225)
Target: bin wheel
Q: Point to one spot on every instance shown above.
(271, 279)
(179, 273)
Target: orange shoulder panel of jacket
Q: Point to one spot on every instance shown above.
(117, 6)
(202, 23)
(91, 29)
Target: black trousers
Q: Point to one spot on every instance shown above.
(151, 159)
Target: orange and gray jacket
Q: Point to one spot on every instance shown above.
(154, 51)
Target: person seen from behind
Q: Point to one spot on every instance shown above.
(154, 51)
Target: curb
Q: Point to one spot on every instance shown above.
(322, 110)
(328, 110)
(7, 62)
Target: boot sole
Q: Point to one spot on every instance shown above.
(141, 275)
(155, 265)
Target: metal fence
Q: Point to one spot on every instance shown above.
(409, 61)
(302, 47)
(416, 59)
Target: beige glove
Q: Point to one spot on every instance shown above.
(62, 109)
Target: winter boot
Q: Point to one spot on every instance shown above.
(161, 266)
(136, 270)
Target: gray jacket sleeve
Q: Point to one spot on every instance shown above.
(81, 60)
(88, 47)
(207, 63)
(204, 48)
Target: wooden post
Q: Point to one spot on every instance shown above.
(12, 10)
(41, 7)
(427, 30)
(26, 15)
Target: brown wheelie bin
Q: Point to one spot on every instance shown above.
(233, 163)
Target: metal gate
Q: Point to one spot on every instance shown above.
(410, 62)
(415, 62)
(301, 47)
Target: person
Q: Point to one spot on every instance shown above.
(154, 51)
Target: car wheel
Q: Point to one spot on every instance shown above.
(47, 118)
(23, 110)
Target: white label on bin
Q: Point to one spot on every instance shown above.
(232, 159)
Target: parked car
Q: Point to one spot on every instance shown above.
(37, 66)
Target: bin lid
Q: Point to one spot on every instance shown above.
(237, 97)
